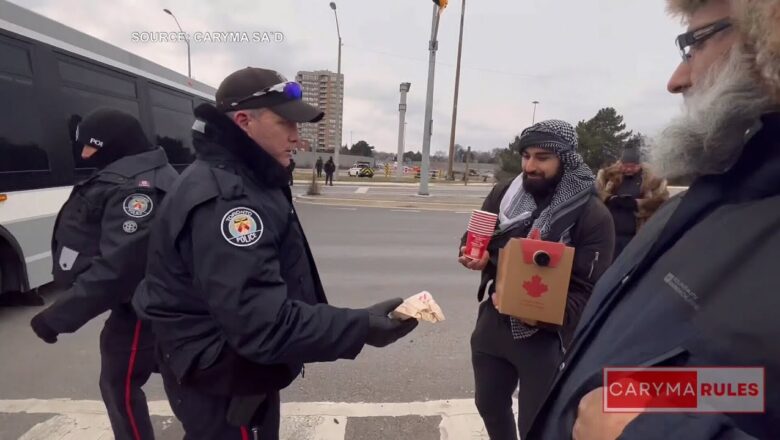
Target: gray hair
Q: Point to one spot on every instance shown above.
(709, 136)
(254, 112)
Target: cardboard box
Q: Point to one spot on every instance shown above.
(529, 291)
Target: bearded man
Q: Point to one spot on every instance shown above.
(554, 195)
(698, 285)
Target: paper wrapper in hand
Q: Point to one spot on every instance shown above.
(421, 306)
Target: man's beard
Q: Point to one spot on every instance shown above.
(542, 187)
(709, 136)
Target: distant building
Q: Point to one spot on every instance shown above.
(324, 89)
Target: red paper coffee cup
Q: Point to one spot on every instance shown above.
(476, 245)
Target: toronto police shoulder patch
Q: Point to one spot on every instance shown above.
(138, 205)
(241, 227)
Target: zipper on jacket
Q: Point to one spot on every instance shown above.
(593, 265)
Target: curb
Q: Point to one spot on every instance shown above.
(387, 204)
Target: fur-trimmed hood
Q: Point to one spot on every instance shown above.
(222, 139)
(758, 22)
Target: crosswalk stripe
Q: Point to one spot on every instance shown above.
(86, 419)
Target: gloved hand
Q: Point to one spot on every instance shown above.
(383, 330)
(42, 329)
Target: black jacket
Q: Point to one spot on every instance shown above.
(230, 268)
(592, 236)
(698, 286)
(100, 238)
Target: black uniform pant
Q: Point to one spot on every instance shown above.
(329, 179)
(319, 172)
(204, 416)
(501, 363)
(127, 360)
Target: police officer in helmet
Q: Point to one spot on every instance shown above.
(232, 289)
(99, 247)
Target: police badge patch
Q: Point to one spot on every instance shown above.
(242, 227)
(138, 205)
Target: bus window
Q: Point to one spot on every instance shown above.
(96, 77)
(21, 146)
(173, 132)
(172, 118)
(87, 87)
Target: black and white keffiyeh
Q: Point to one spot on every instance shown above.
(571, 193)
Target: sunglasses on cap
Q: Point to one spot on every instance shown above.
(692, 40)
(291, 90)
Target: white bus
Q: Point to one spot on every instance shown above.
(50, 77)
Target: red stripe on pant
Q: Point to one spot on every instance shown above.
(128, 381)
(244, 433)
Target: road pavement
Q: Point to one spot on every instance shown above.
(419, 388)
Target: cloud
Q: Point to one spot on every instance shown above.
(574, 56)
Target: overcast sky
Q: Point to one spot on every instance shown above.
(574, 56)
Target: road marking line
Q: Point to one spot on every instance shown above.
(37, 257)
(331, 409)
(362, 190)
(464, 427)
(69, 427)
(405, 210)
(345, 209)
(462, 212)
(86, 419)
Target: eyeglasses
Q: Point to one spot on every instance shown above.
(291, 90)
(691, 40)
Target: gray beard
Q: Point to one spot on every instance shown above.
(709, 136)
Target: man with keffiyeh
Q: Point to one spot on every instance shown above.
(554, 194)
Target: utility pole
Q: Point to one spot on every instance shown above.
(433, 46)
(451, 159)
(399, 172)
(533, 119)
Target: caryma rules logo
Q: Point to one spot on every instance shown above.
(701, 389)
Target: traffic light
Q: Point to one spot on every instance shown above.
(441, 3)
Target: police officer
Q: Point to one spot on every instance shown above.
(99, 247)
(232, 289)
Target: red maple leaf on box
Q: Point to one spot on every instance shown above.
(535, 287)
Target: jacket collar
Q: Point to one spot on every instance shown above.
(218, 139)
(757, 172)
(130, 166)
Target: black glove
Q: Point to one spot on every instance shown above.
(383, 330)
(42, 329)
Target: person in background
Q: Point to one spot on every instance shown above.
(330, 168)
(632, 193)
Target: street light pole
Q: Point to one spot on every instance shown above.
(341, 91)
(533, 119)
(451, 158)
(186, 40)
(399, 172)
(433, 45)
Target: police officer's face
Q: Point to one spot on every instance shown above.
(276, 135)
(88, 151)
